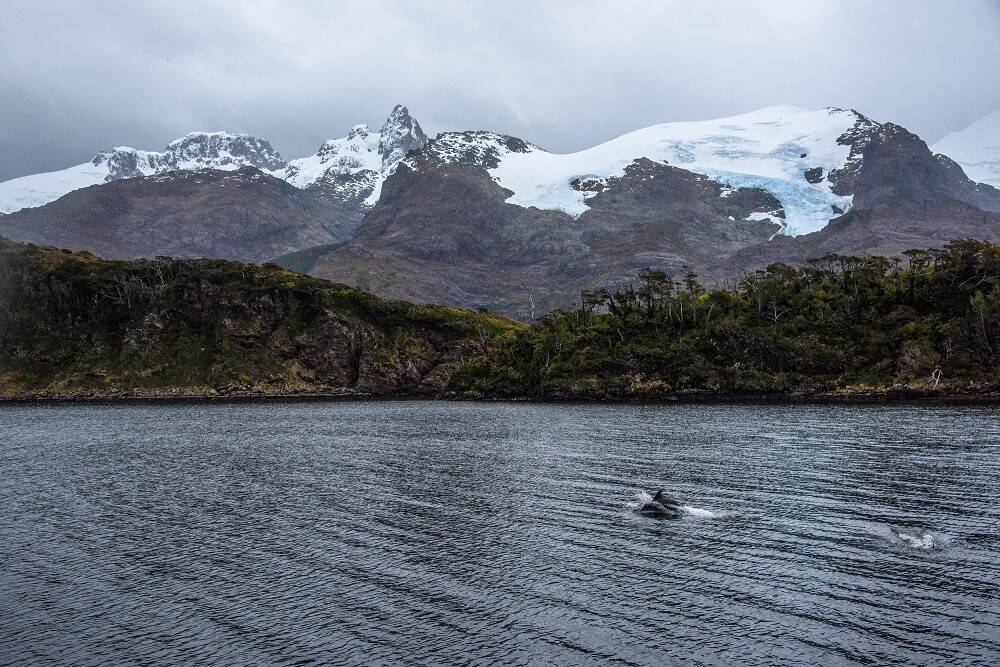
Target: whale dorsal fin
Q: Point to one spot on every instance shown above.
(658, 496)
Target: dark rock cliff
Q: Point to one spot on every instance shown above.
(443, 233)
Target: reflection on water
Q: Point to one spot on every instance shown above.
(458, 533)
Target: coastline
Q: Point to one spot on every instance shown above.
(886, 396)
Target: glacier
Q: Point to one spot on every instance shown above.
(771, 149)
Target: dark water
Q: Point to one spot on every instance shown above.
(437, 533)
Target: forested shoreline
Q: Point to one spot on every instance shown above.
(924, 324)
(840, 327)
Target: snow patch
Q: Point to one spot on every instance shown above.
(976, 149)
(40, 189)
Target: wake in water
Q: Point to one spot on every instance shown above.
(913, 538)
(644, 504)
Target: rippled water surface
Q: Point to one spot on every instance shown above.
(460, 533)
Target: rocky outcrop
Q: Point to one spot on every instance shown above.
(221, 150)
(896, 165)
(400, 134)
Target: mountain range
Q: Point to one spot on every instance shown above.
(481, 219)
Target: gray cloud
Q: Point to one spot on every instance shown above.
(78, 77)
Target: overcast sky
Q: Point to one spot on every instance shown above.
(78, 77)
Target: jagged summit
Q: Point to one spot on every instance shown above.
(351, 169)
(400, 134)
(360, 150)
(348, 170)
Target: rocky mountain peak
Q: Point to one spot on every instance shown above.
(198, 150)
(125, 162)
(400, 134)
(222, 150)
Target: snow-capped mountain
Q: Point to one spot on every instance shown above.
(483, 219)
(221, 150)
(976, 149)
(805, 159)
(350, 169)
(356, 152)
(354, 167)
(198, 150)
(797, 155)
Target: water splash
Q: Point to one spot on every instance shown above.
(642, 497)
(914, 538)
(698, 512)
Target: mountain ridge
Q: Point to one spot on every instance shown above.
(482, 219)
(803, 157)
(228, 151)
(450, 227)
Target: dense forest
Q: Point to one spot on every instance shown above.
(74, 325)
(925, 323)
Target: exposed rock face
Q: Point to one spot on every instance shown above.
(245, 215)
(814, 175)
(125, 162)
(221, 150)
(896, 165)
(475, 148)
(859, 138)
(887, 229)
(400, 134)
(443, 233)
